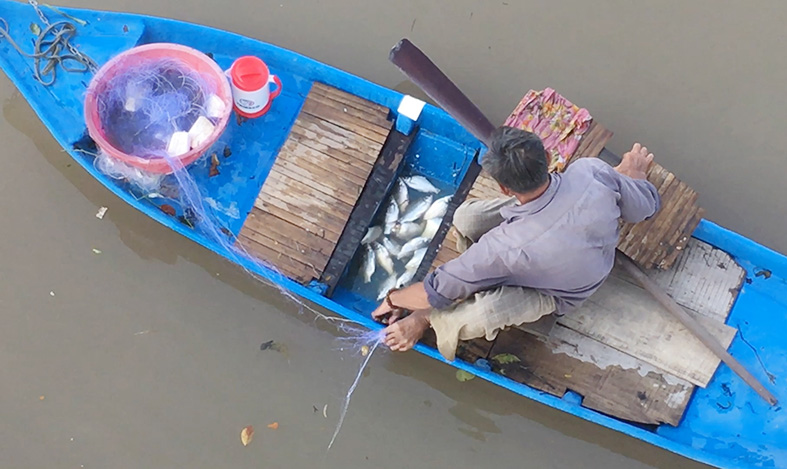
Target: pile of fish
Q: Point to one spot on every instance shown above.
(397, 245)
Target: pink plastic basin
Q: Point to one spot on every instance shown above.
(196, 60)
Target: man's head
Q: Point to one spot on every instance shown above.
(516, 160)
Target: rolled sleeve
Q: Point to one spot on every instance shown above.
(638, 198)
(479, 268)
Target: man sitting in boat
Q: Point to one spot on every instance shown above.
(544, 248)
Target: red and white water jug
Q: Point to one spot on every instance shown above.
(250, 80)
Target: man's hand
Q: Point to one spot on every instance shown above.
(385, 314)
(635, 163)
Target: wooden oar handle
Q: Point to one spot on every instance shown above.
(427, 76)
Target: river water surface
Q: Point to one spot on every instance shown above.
(147, 354)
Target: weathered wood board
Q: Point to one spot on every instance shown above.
(609, 381)
(306, 200)
(705, 280)
(627, 318)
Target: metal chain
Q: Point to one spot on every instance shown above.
(87, 61)
(34, 4)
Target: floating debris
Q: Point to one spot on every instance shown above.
(246, 435)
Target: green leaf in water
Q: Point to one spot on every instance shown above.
(35, 29)
(505, 359)
(463, 376)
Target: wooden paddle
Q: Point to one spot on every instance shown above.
(427, 76)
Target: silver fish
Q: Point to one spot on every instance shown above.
(392, 213)
(368, 264)
(405, 278)
(387, 286)
(406, 231)
(421, 184)
(416, 211)
(438, 208)
(392, 247)
(432, 225)
(372, 234)
(412, 246)
(388, 228)
(416, 260)
(400, 195)
(383, 258)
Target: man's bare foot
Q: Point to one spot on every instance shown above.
(405, 333)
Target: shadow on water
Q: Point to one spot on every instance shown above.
(476, 402)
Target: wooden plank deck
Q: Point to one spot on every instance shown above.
(307, 199)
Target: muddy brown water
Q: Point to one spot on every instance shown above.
(147, 354)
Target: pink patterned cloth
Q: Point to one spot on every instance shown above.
(559, 123)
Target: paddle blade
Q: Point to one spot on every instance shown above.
(427, 76)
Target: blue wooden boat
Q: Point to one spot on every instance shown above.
(724, 424)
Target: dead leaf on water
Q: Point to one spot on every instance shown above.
(274, 426)
(246, 435)
(364, 350)
(41, 398)
(35, 29)
(463, 376)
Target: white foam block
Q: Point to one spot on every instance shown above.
(200, 131)
(178, 144)
(131, 104)
(215, 107)
(411, 107)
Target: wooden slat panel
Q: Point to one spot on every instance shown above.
(351, 99)
(311, 190)
(657, 242)
(323, 156)
(338, 138)
(609, 381)
(278, 260)
(304, 255)
(297, 217)
(284, 231)
(348, 121)
(367, 118)
(317, 211)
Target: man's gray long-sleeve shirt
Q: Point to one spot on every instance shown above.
(562, 243)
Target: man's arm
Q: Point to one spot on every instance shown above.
(638, 198)
(478, 268)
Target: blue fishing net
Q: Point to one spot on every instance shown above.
(141, 108)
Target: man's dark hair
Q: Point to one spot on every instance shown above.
(516, 160)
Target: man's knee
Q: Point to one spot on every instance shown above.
(466, 219)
